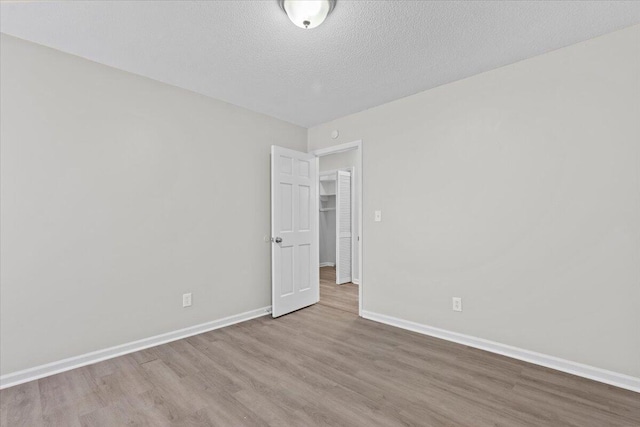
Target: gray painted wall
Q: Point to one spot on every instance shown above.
(119, 194)
(519, 191)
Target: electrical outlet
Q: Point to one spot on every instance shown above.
(186, 300)
(378, 216)
(457, 304)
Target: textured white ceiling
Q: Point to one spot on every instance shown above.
(365, 54)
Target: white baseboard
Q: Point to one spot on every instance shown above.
(602, 375)
(53, 368)
(327, 264)
(355, 281)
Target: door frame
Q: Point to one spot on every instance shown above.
(334, 149)
(352, 171)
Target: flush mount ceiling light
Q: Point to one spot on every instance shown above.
(307, 14)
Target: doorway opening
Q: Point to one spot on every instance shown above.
(340, 226)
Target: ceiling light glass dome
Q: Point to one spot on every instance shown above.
(307, 14)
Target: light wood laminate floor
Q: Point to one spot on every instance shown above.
(317, 366)
(343, 297)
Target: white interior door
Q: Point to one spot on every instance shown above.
(344, 235)
(295, 281)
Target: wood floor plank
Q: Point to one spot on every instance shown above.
(20, 405)
(332, 356)
(333, 393)
(309, 394)
(321, 366)
(342, 297)
(67, 396)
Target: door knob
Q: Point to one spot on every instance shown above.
(278, 239)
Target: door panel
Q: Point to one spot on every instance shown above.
(294, 210)
(343, 228)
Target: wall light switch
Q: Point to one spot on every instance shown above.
(378, 216)
(186, 300)
(457, 304)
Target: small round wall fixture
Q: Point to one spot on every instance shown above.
(307, 14)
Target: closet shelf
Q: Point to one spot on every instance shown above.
(327, 209)
(328, 194)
